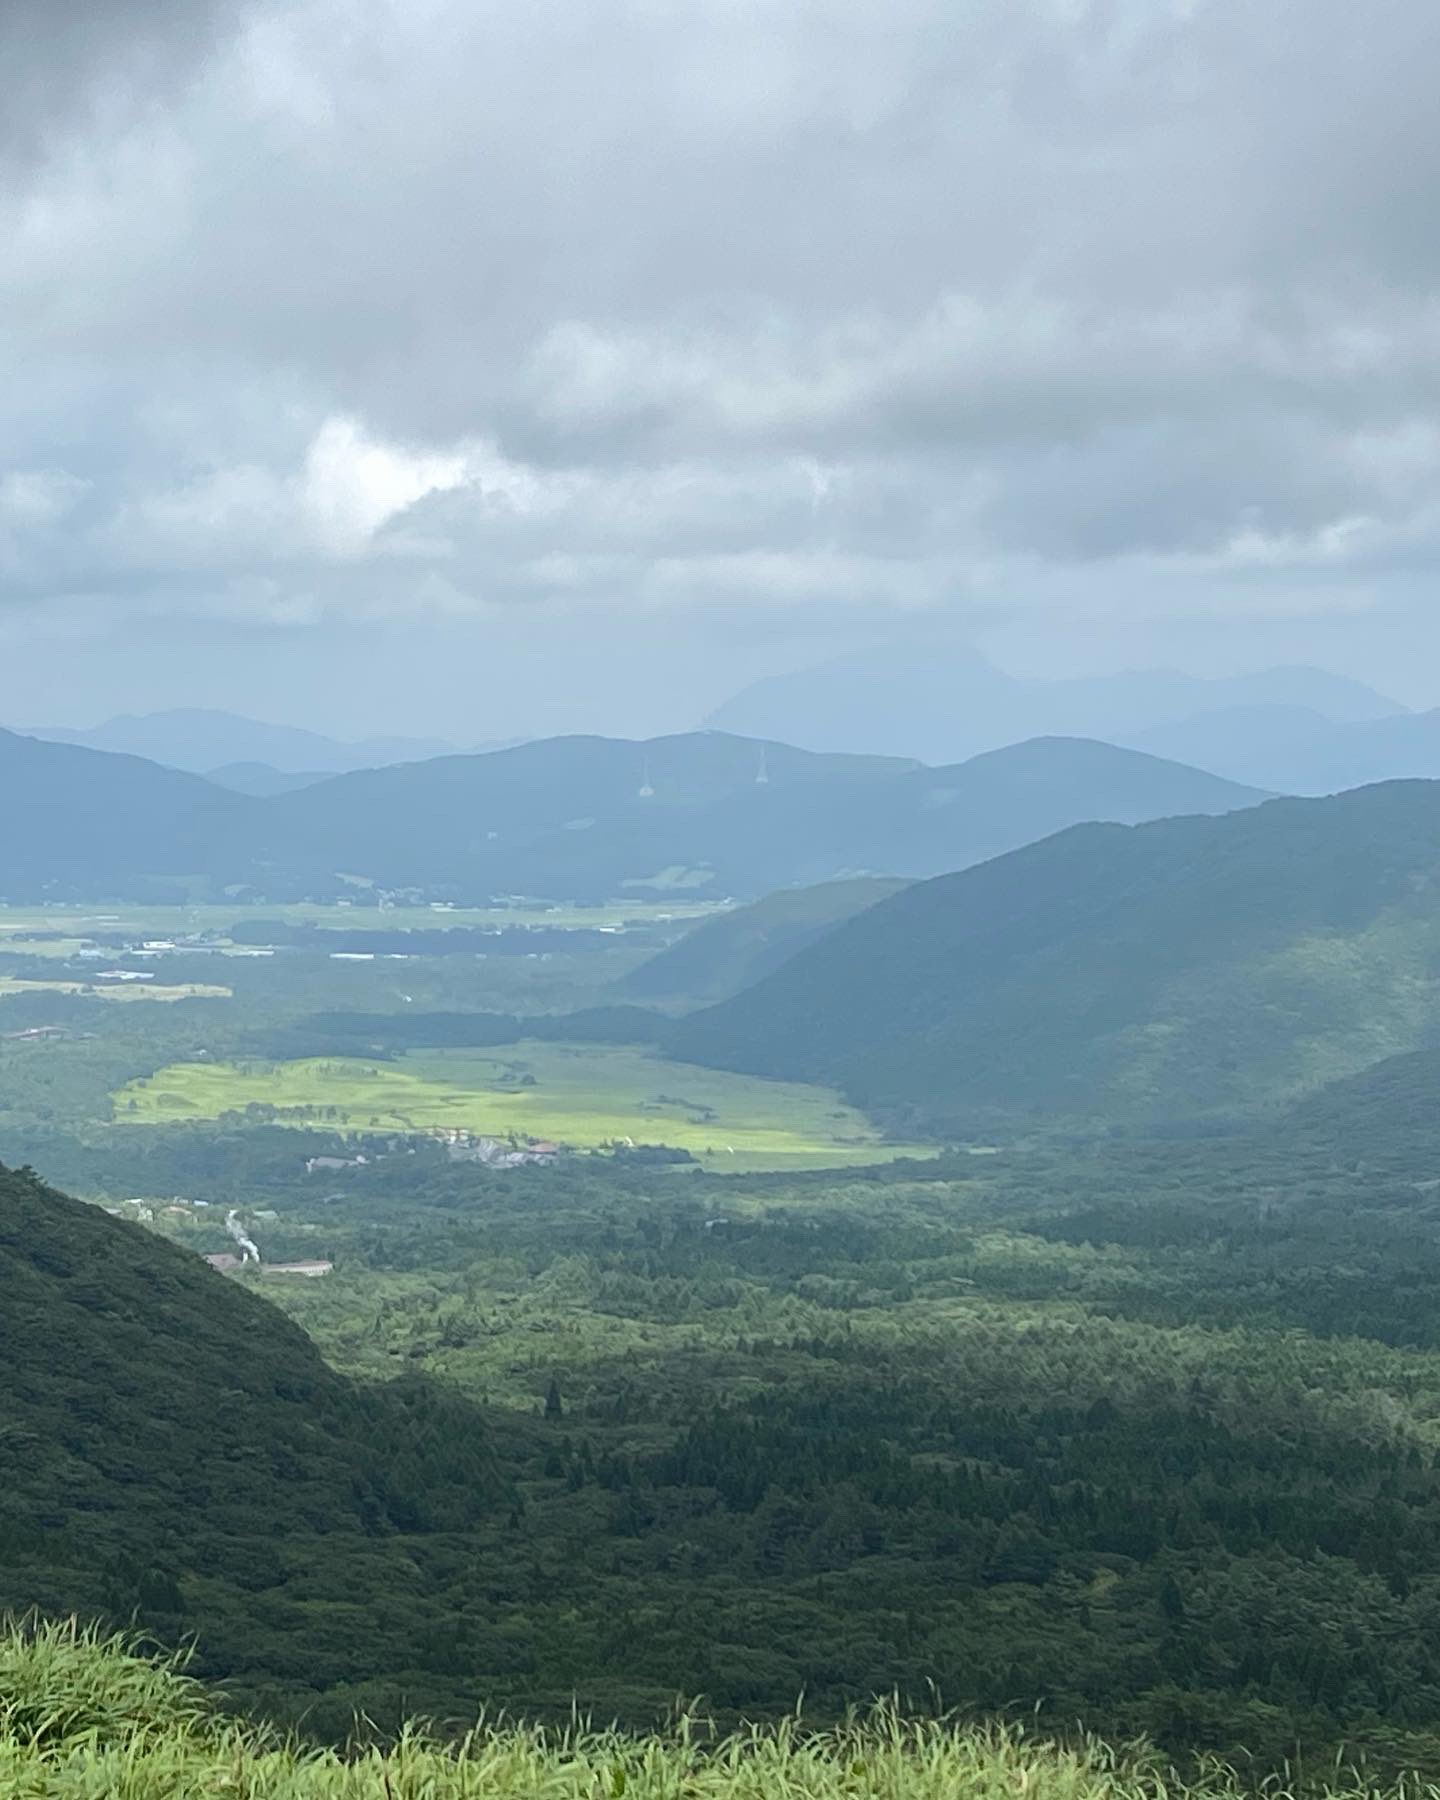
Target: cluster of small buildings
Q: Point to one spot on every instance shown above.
(497, 1153)
(143, 1211)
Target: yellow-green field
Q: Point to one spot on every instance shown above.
(580, 1095)
(118, 990)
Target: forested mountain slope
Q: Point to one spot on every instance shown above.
(1182, 966)
(200, 739)
(733, 950)
(173, 1446)
(1387, 1116)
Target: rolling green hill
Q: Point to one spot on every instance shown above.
(1187, 966)
(735, 949)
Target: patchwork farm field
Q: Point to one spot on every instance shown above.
(580, 1095)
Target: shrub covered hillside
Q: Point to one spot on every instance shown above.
(84, 1718)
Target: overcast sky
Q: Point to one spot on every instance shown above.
(485, 369)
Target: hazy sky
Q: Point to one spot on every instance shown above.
(481, 368)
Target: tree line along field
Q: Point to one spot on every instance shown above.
(584, 1096)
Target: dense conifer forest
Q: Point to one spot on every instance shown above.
(1141, 1436)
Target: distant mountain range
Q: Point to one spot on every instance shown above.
(78, 823)
(200, 740)
(262, 780)
(1296, 750)
(1287, 730)
(942, 707)
(1190, 966)
(565, 818)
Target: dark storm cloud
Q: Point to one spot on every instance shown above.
(334, 312)
(69, 65)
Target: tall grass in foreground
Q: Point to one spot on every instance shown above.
(83, 1717)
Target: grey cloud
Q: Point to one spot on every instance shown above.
(73, 66)
(343, 311)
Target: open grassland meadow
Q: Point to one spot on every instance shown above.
(583, 1096)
